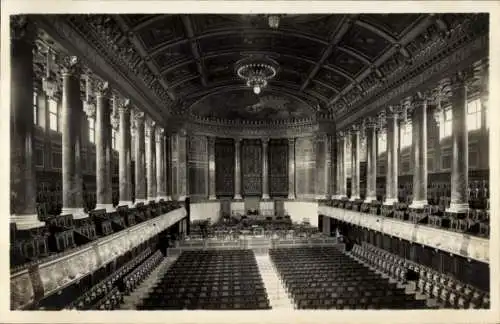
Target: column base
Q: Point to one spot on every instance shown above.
(138, 201)
(353, 198)
(370, 199)
(390, 201)
(342, 196)
(168, 198)
(151, 199)
(26, 222)
(182, 198)
(321, 197)
(212, 197)
(129, 204)
(78, 213)
(418, 204)
(237, 197)
(291, 196)
(458, 208)
(265, 197)
(108, 207)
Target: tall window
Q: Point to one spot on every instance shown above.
(35, 107)
(54, 115)
(113, 139)
(91, 129)
(382, 143)
(474, 115)
(406, 138)
(445, 123)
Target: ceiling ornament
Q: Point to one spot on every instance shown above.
(257, 71)
(274, 21)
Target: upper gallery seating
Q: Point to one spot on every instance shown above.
(62, 233)
(450, 292)
(476, 221)
(211, 279)
(326, 278)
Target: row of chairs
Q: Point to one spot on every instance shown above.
(104, 287)
(133, 279)
(210, 279)
(451, 293)
(324, 278)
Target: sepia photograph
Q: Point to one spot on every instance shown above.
(256, 161)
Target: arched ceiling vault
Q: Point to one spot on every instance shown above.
(327, 61)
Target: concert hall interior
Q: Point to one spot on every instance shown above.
(249, 161)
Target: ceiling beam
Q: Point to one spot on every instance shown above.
(401, 45)
(335, 37)
(143, 53)
(237, 30)
(194, 48)
(355, 54)
(377, 31)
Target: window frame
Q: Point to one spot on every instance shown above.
(52, 102)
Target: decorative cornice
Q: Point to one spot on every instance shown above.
(449, 59)
(83, 44)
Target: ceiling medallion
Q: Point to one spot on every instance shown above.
(256, 71)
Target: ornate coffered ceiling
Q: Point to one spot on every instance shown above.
(335, 63)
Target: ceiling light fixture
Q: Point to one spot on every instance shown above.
(256, 72)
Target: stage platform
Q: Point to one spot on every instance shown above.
(259, 244)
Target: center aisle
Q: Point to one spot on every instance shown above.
(276, 292)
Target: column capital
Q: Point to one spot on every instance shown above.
(115, 119)
(211, 140)
(70, 66)
(237, 140)
(355, 129)
(370, 122)
(138, 117)
(103, 89)
(150, 126)
(159, 134)
(265, 141)
(393, 111)
(125, 106)
(21, 28)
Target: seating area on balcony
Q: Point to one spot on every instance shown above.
(62, 234)
(446, 290)
(326, 278)
(210, 280)
(475, 221)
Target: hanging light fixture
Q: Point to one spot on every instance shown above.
(49, 83)
(273, 21)
(256, 71)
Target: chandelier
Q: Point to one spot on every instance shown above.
(256, 72)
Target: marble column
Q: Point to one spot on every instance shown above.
(419, 142)
(72, 115)
(336, 193)
(341, 165)
(291, 168)
(125, 156)
(371, 161)
(355, 144)
(168, 168)
(237, 168)
(182, 168)
(151, 160)
(161, 184)
(391, 186)
(460, 146)
(265, 168)
(211, 168)
(328, 165)
(22, 161)
(140, 158)
(102, 132)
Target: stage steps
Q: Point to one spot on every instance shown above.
(131, 301)
(276, 292)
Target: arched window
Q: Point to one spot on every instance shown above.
(405, 134)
